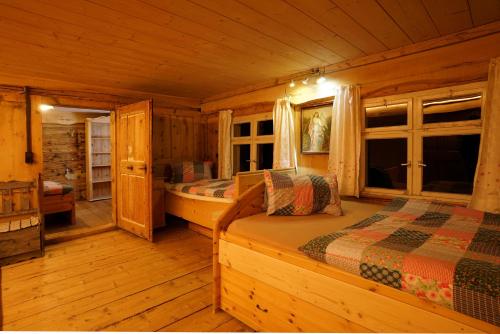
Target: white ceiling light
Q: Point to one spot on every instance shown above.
(292, 84)
(305, 81)
(45, 107)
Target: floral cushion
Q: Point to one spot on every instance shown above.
(301, 195)
(190, 171)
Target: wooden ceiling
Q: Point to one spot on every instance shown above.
(199, 48)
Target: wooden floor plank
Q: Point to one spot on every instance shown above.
(116, 281)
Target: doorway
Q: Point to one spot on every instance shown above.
(77, 171)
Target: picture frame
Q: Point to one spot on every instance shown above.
(315, 126)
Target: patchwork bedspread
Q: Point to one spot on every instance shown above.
(56, 188)
(211, 188)
(446, 254)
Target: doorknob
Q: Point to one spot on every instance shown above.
(130, 167)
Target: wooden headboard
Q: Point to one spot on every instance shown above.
(245, 180)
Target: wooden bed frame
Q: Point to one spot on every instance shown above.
(203, 210)
(58, 203)
(271, 289)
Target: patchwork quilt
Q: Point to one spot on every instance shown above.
(56, 188)
(212, 188)
(446, 254)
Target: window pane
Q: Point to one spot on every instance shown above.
(450, 163)
(389, 115)
(241, 158)
(265, 128)
(383, 163)
(463, 108)
(241, 130)
(265, 156)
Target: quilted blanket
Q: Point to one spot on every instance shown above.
(211, 187)
(56, 188)
(446, 254)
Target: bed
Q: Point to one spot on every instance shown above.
(58, 197)
(261, 278)
(202, 202)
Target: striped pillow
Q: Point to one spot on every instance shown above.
(301, 195)
(190, 171)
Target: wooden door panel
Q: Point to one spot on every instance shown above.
(135, 178)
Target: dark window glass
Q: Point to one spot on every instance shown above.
(241, 158)
(265, 128)
(241, 130)
(450, 163)
(464, 108)
(265, 156)
(390, 115)
(384, 158)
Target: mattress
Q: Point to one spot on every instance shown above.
(55, 188)
(215, 188)
(291, 232)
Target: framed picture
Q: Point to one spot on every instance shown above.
(316, 123)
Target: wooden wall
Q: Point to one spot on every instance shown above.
(64, 147)
(178, 135)
(13, 139)
(442, 66)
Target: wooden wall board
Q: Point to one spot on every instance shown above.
(64, 147)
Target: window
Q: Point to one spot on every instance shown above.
(252, 141)
(422, 144)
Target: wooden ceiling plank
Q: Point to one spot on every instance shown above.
(373, 18)
(449, 16)
(412, 17)
(211, 54)
(212, 20)
(295, 20)
(260, 23)
(440, 42)
(163, 19)
(61, 49)
(484, 11)
(337, 21)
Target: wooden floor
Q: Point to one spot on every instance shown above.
(88, 214)
(114, 281)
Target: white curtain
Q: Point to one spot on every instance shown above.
(225, 161)
(345, 139)
(486, 193)
(284, 154)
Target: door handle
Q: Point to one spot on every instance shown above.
(421, 164)
(130, 167)
(407, 164)
(143, 168)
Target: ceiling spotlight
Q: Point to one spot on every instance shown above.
(305, 81)
(292, 84)
(321, 79)
(45, 107)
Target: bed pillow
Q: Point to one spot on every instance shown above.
(190, 171)
(301, 195)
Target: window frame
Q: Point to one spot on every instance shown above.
(415, 132)
(253, 140)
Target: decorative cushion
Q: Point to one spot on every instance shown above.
(190, 171)
(301, 195)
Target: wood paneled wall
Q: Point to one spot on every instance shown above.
(13, 139)
(64, 147)
(440, 67)
(178, 135)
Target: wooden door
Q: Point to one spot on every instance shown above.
(134, 180)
